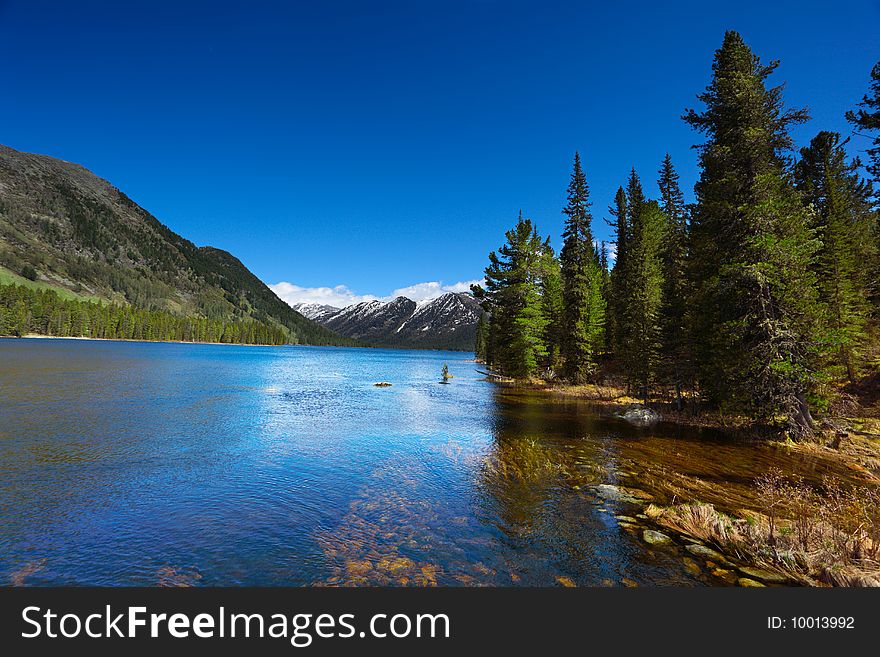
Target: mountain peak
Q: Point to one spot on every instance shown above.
(445, 322)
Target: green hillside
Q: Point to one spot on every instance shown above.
(63, 228)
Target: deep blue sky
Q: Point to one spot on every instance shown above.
(377, 144)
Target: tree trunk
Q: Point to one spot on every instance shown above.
(801, 419)
(847, 361)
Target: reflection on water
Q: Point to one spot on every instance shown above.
(193, 465)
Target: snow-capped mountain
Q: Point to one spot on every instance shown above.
(314, 311)
(447, 322)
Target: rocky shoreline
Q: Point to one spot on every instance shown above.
(732, 543)
(698, 558)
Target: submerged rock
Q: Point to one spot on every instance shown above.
(751, 583)
(654, 537)
(641, 415)
(614, 493)
(763, 575)
(727, 575)
(706, 553)
(692, 566)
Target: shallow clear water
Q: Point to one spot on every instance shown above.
(146, 463)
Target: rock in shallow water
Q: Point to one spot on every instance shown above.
(614, 493)
(727, 575)
(692, 566)
(641, 416)
(763, 575)
(706, 553)
(750, 583)
(655, 538)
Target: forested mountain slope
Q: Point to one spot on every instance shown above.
(63, 227)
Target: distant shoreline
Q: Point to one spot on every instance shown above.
(38, 336)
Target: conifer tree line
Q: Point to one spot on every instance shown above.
(760, 298)
(24, 311)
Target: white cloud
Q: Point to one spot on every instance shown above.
(341, 295)
(338, 296)
(431, 290)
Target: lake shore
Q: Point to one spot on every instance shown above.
(734, 543)
(854, 437)
(40, 336)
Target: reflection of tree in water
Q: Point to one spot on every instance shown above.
(524, 513)
(537, 485)
(525, 507)
(537, 441)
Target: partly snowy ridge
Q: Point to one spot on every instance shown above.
(447, 322)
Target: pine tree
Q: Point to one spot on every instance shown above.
(512, 297)
(583, 305)
(605, 280)
(843, 221)
(867, 118)
(552, 304)
(618, 273)
(630, 205)
(752, 248)
(635, 198)
(481, 338)
(867, 121)
(642, 350)
(603, 262)
(675, 343)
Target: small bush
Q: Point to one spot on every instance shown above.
(29, 272)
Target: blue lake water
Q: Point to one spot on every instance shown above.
(125, 463)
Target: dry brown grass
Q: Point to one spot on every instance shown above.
(815, 537)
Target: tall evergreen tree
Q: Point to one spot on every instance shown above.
(553, 308)
(618, 272)
(603, 260)
(675, 349)
(630, 204)
(635, 198)
(605, 275)
(480, 341)
(867, 119)
(583, 303)
(512, 297)
(642, 349)
(844, 222)
(752, 248)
